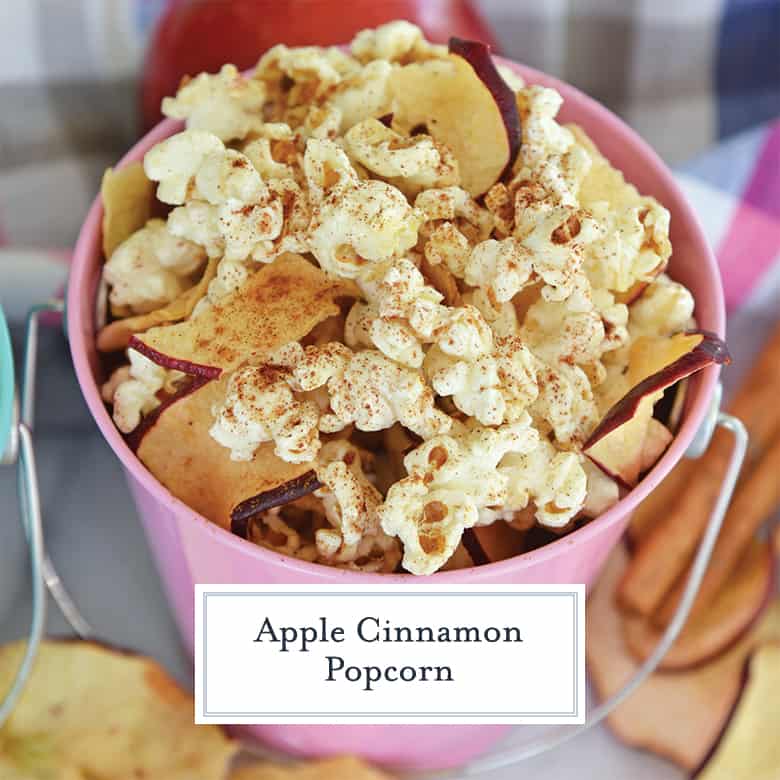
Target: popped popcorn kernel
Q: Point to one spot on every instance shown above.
(151, 268)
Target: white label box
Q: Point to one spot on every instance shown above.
(379, 654)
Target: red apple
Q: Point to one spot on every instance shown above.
(191, 37)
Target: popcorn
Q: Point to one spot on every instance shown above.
(259, 407)
(450, 479)
(664, 308)
(373, 553)
(412, 164)
(374, 392)
(356, 222)
(350, 501)
(231, 274)
(554, 481)
(446, 245)
(175, 161)
(542, 135)
(635, 244)
(566, 403)
(225, 104)
(227, 176)
(258, 152)
(502, 318)
(365, 94)
(365, 328)
(133, 389)
(456, 205)
(151, 268)
(503, 268)
(494, 387)
(233, 231)
(393, 41)
(315, 70)
(399, 291)
(269, 529)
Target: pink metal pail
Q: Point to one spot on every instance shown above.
(188, 549)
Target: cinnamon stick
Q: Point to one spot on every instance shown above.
(668, 547)
(756, 499)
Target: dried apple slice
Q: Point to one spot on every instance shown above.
(495, 542)
(681, 715)
(117, 334)
(657, 439)
(176, 447)
(127, 204)
(282, 302)
(654, 364)
(340, 768)
(463, 102)
(286, 493)
(749, 746)
(736, 608)
(89, 711)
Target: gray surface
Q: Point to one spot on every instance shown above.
(96, 541)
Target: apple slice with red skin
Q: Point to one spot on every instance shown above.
(734, 611)
(616, 443)
(463, 102)
(280, 303)
(681, 715)
(177, 448)
(495, 542)
(749, 746)
(302, 485)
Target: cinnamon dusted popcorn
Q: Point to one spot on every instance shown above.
(133, 389)
(260, 407)
(450, 479)
(151, 268)
(412, 164)
(225, 104)
(554, 481)
(479, 297)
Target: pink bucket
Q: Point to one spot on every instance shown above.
(188, 549)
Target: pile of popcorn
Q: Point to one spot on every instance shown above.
(491, 332)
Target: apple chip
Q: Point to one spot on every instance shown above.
(342, 768)
(92, 712)
(175, 445)
(749, 747)
(117, 334)
(280, 303)
(464, 103)
(617, 443)
(696, 702)
(127, 204)
(736, 608)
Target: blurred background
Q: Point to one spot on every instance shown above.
(77, 83)
(81, 79)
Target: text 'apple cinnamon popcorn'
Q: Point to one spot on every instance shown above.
(389, 313)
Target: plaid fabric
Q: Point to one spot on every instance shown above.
(684, 74)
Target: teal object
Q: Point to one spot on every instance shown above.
(7, 386)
